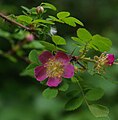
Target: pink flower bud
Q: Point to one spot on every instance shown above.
(110, 59)
(29, 37)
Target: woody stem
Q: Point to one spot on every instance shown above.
(14, 22)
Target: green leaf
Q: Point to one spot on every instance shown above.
(77, 21)
(99, 110)
(74, 79)
(74, 103)
(33, 11)
(50, 93)
(101, 43)
(60, 49)
(24, 18)
(26, 9)
(84, 35)
(11, 58)
(20, 35)
(43, 21)
(78, 40)
(72, 21)
(33, 56)
(64, 86)
(29, 70)
(31, 66)
(55, 19)
(69, 21)
(73, 93)
(34, 44)
(49, 6)
(61, 15)
(58, 40)
(94, 94)
(48, 45)
(4, 34)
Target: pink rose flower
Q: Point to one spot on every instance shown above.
(54, 67)
(110, 59)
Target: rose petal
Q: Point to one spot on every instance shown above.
(40, 73)
(45, 56)
(68, 71)
(53, 82)
(62, 56)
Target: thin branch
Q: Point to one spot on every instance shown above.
(14, 22)
(81, 89)
(81, 65)
(89, 60)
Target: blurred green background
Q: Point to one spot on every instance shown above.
(20, 97)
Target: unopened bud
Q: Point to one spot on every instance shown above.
(39, 9)
(29, 37)
(96, 58)
(76, 69)
(110, 59)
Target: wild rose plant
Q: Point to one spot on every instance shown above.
(52, 65)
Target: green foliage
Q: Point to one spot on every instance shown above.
(99, 110)
(58, 40)
(87, 41)
(33, 45)
(64, 86)
(74, 79)
(26, 9)
(31, 66)
(50, 93)
(69, 21)
(77, 21)
(29, 71)
(72, 21)
(55, 19)
(33, 11)
(101, 43)
(24, 18)
(74, 103)
(33, 56)
(4, 34)
(84, 35)
(48, 45)
(94, 94)
(62, 15)
(79, 41)
(43, 21)
(11, 58)
(19, 35)
(49, 6)
(73, 93)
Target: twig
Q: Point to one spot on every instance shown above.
(81, 89)
(14, 22)
(89, 60)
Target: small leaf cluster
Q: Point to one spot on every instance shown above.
(97, 42)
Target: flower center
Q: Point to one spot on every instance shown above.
(54, 68)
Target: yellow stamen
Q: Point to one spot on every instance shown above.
(54, 68)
